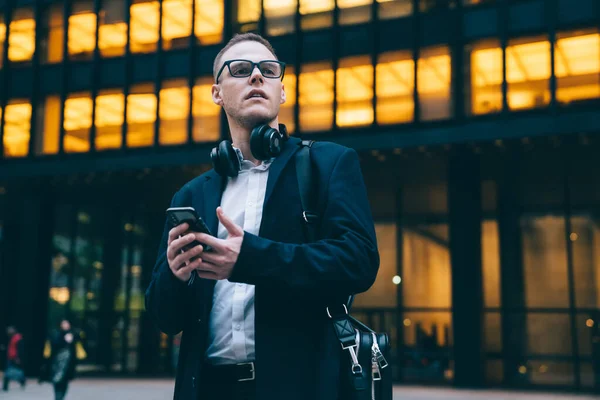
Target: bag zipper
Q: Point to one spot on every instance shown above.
(375, 372)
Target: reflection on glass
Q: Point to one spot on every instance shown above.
(286, 112)
(110, 108)
(389, 9)
(354, 11)
(21, 41)
(143, 29)
(550, 373)
(490, 262)
(316, 97)
(494, 371)
(59, 293)
(433, 83)
(48, 126)
(141, 114)
(112, 33)
(17, 123)
(279, 16)
(383, 292)
(486, 78)
(544, 261)
(585, 239)
(248, 14)
(528, 73)
(395, 86)
(355, 92)
(82, 31)
(492, 332)
(577, 66)
(548, 334)
(428, 341)
(206, 114)
(174, 110)
(176, 23)
(54, 28)
(426, 266)
(210, 16)
(316, 14)
(77, 123)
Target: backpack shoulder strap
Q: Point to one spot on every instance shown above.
(308, 192)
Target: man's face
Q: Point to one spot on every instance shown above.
(65, 325)
(250, 100)
(10, 331)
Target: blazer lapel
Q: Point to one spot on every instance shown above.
(213, 191)
(290, 148)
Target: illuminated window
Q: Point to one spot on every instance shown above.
(389, 9)
(82, 31)
(433, 83)
(279, 16)
(577, 66)
(47, 130)
(209, 21)
(110, 109)
(354, 11)
(486, 78)
(316, 14)
(316, 97)
(176, 23)
(395, 87)
(141, 115)
(17, 123)
(355, 92)
(286, 112)
(145, 19)
(528, 73)
(112, 32)
(2, 38)
(206, 114)
(174, 110)
(248, 15)
(54, 33)
(77, 123)
(21, 40)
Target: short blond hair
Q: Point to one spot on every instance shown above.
(239, 38)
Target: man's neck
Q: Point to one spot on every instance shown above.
(240, 137)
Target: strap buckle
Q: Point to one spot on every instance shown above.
(345, 311)
(252, 372)
(309, 217)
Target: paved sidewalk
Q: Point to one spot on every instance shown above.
(155, 389)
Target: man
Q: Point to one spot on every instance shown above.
(254, 318)
(14, 359)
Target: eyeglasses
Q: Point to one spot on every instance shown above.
(271, 69)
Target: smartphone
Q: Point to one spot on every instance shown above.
(179, 215)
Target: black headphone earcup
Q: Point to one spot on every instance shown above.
(225, 160)
(265, 142)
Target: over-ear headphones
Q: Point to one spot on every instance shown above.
(265, 143)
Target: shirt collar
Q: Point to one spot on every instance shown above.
(247, 165)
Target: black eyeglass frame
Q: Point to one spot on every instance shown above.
(254, 65)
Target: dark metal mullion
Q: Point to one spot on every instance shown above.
(126, 89)
(552, 14)
(65, 75)
(570, 269)
(126, 314)
(416, 53)
(503, 23)
(457, 62)
(159, 76)
(35, 90)
(8, 10)
(262, 21)
(336, 61)
(72, 258)
(399, 271)
(374, 56)
(191, 76)
(298, 35)
(95, 75)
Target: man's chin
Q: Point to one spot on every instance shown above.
(252, 120)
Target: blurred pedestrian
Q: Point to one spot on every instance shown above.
(62, 352)
(14, 359)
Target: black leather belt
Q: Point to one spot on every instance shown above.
(242, 372)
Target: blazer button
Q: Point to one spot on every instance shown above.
(199, 320)
(193, 381)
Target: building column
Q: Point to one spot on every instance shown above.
(464, 206)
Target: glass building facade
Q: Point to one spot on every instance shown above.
(476, 122)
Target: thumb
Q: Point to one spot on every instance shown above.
(232, 228)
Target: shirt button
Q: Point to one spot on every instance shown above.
(251, 204)
(239, 285)
(238, 327)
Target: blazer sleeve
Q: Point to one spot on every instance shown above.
(167, 297)
(344, 261)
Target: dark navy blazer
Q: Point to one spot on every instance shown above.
(297, 354)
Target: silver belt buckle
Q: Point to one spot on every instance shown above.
(252, 372)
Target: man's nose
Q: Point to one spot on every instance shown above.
(256, 75)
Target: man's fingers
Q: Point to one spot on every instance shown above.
(182, 258)
(232, 228)
(176, 245)
(175, 232)
(209, 240)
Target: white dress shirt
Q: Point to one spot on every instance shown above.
(231, 326)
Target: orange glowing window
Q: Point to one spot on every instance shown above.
(433, 83)
(209, 21)
(528, 73)
(355, 92)
(206, 114)
(395, 87)
(145, 19)
(17, 123)
(141, 115)
(77, 123)
(174, 111)
(486, 78)
(286, 111)
(110, 110)
(21, 41)
(316, 97)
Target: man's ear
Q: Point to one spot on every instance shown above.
(216, 95)
(283, 96)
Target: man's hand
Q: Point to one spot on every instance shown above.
(179, 262)
(218, 264)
